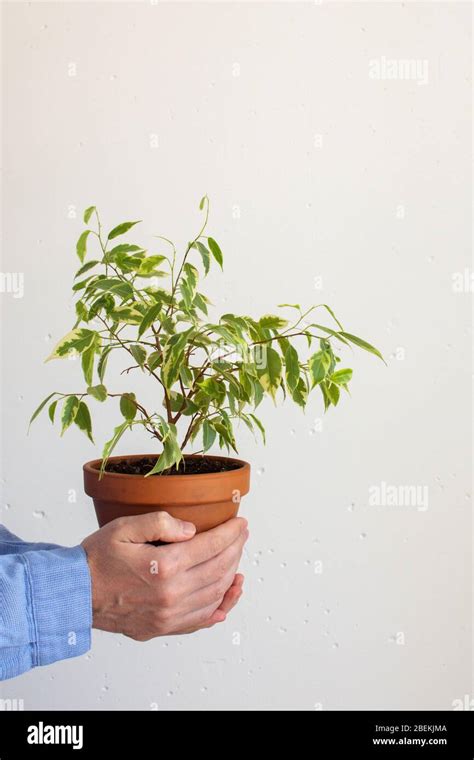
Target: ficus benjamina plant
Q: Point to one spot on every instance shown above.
(209, 373)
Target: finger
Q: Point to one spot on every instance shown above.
(198, 619)
(214, 620)
(230, 599)
(220, 615)
(214, 593)
(153, 526)
(214, 613)
(214, 569)
(212, 542)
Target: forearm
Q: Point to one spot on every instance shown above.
(45, 604)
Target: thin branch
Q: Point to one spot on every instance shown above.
(190, 245)
(189, 431)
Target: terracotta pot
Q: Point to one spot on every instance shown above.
(206, 499)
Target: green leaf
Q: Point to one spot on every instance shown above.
(319, 365)
(300, 394)
(333, 333)
(272, 322)
(257, 393)
(41, 407)
(83, 420)
(171, 453)
(186, 376)
(88, 213)
(115, 286)
(77, 340)
(214, 389)
(138, 353)
(216, 251)
(110, 445)
(231, 336)
(200, 303)
(68, 415)
(167, 458)
(246, 389)
(85, 268)
(154, 360)
(127, 264)
(123, 248)
(150, 317)
(202, 202)
(205, 255)
(102, 363)
(362, 344)
(99, 392)
(290, 305)
(192, 276)
(186, 292)
(270, 376)
(292, 367)
(121, 229)
(126, 315)
(82, 284)
(259, 425)
(81, 245)
(176, 401)
(52, 410)
(330, 311)
(174, 350)
(341, 377)
(195, 430)
(224, 428)
(208, 435)
(190, 408)
(87, 361)
(238, 323)
(81, 312)
(128, 406)
(333, 393)
(149, 265)
(326, 397)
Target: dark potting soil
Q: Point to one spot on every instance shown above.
(194, 466)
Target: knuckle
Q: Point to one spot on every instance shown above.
(162, 619)
(118, 524)
(167, 566)
(162, 518)
(166, 599)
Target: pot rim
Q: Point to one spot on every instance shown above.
(93, 467)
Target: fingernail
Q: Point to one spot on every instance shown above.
(188, 528)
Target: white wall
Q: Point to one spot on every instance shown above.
(238, 95)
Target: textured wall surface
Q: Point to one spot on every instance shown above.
(334, 142)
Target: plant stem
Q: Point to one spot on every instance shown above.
(190, 245)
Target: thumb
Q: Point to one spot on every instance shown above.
(154, 526)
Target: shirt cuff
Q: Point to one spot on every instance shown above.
(59, 586)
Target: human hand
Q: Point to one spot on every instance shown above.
(145, 591)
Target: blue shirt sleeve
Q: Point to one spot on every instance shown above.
(45, 604)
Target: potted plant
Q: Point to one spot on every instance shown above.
(208, 373)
